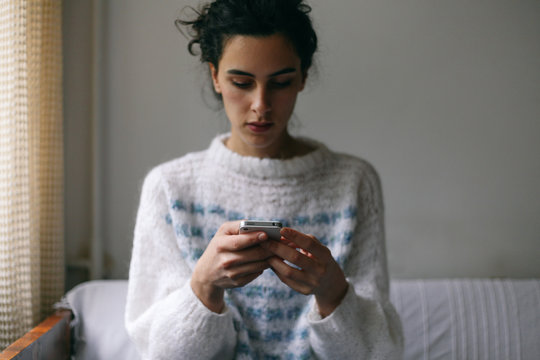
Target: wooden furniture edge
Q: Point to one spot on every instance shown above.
(48, 340)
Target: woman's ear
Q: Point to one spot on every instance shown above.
(215, 82)
(304, 78)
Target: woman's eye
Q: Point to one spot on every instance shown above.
(271, 84)
(241, 85)
(281, 84)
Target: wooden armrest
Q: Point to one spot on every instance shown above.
(49, 340)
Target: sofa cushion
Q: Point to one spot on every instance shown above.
(442, 319)
(469, 319)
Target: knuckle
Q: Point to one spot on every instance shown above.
(231, 275)
(253, 239)
(315, 283)
(288, 272)
(236, 243)
(321, 270)
(306, 291)
(219, 246)
(223, 228)
(295, 257)
(229, 260)
(227, 264)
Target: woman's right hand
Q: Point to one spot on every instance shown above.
(230, 260)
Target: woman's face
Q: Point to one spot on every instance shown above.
(259, 79)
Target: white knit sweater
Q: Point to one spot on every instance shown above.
(335, 197)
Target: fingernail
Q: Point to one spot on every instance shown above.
(262, 236)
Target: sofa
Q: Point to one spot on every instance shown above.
(442, 319)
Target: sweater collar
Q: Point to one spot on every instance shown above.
(251, 166)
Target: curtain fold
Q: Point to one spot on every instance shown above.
(31, 164)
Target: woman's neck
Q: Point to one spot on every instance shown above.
(288, 147)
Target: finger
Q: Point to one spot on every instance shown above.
(308, 254)
(308, 278)
(290, 276)
(238, 272)
(245, 241)
(306, 242)
(288, 243)
(242, 281)
(253, 254)
(290, 254)
(229, 228)
(241, 241)
(295, 246)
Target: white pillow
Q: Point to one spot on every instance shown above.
(98, 324)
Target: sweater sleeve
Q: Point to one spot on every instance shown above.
(365, 325)
(163, 316)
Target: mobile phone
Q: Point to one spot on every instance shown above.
(271, 228)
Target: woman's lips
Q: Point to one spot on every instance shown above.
(259, 127)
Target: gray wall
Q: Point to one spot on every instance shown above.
(443, 97)
(77, 58)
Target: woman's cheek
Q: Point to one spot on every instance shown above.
(287, 101)
(235, 96)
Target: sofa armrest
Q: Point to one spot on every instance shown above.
(48, 340)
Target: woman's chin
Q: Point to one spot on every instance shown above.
(261, 145)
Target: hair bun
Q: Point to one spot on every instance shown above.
(221, 19)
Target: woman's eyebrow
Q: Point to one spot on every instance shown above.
(283, 71)
(239, 72)
(244, 73)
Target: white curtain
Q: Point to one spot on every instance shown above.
(31, 164)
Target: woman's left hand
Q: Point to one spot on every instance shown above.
(319, 273)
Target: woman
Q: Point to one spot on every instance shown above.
(200, 290)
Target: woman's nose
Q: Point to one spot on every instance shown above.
(261, 104)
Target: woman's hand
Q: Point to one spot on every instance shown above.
(230, 260)
(319, 273)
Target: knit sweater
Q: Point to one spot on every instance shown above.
(335, 197)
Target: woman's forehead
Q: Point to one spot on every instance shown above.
(259, 54)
